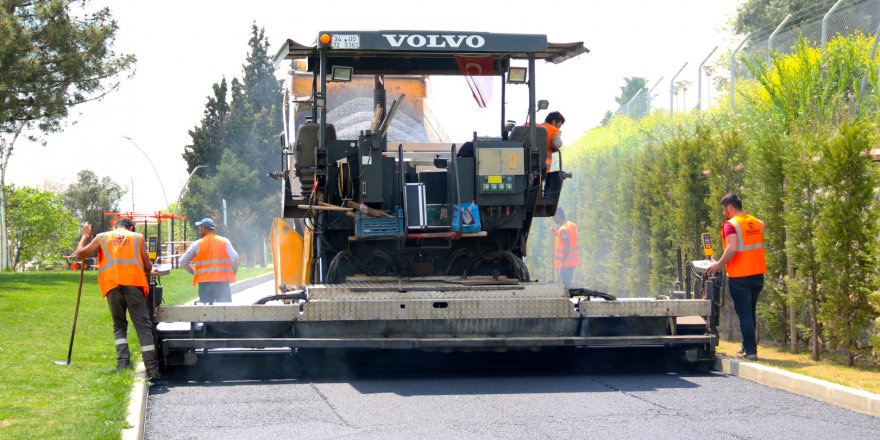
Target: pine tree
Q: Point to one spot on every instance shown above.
(209, 136)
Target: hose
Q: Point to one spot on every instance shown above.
(299, 294)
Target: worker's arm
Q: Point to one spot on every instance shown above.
(557, 142)
(145, 257)
(729, 252)
(84, 250)
(186, 260)
(233, 256)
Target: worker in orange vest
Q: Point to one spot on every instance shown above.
(567, 254)
(123, 265)
(553, 123)
(213, 262)
(743, 238)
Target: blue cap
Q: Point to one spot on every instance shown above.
(206, 222)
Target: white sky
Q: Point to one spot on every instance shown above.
(183, 47)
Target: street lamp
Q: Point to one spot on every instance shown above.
(164, 194)
(179, 196)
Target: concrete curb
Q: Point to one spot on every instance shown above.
(137, 405)
(251, 282)
(135, 418)
(823, 391)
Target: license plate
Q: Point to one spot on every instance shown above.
(345, 42)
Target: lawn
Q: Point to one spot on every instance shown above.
(87, 399)
(863, 377)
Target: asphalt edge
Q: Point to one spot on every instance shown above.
(137, 405)
(817, 389)
(135, 418)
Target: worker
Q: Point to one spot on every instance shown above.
(567, 254)
(123, 265)
(213, 263)
(743, 238)
(553, 123)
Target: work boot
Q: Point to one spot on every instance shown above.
(123, 364)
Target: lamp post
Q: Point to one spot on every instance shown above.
(164, 194)
(180, 196)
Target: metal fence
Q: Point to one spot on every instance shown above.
(698, 88)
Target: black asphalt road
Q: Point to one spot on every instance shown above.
(478, 396)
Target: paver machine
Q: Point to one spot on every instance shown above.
(394, 238)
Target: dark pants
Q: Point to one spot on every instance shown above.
(744, 291)
(215, 291)
(565, 275)
(131, 298)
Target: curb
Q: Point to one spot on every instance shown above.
(137, 405)
(135, 418)
(823, 391)
(251, 282)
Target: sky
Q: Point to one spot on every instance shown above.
(183, 47)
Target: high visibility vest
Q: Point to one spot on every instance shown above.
(567, 252)
(120, 262)
(212, 262)
(749, 258)
(551, 133)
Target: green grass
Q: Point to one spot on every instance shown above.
(863, 377)
(87, 399)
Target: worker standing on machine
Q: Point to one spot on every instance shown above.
(123, 266)
(743, 238)
(213, 262)
(567, 255)
(553, 123)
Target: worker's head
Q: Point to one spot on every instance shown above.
(732, 205)
(555, 119)
(206, 225)
(125, 223)
(559, 217)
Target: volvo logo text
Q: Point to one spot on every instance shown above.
(435, 41)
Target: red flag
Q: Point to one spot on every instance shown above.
(477, 71)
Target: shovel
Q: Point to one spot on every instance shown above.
(82, 268)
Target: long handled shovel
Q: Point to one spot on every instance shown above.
(82, 268)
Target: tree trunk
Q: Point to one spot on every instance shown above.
(814, 321)
(789, 295)
(4, 239)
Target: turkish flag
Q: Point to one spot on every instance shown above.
(478, 72)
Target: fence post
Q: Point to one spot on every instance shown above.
(671, 85)
(825, 25)
(773, 34)
(700, 80)
(733, 67)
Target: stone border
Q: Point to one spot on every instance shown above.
(136, 415)
(251, 282)
(823, 391)
(137, 405)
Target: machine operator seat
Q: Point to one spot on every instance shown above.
(304, 152)
(521, 133)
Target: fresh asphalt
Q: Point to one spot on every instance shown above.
(393, 395)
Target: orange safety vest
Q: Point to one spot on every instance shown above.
(120, 262)
(570, 255)
(551, 133)
(749, 258)
(212, 263)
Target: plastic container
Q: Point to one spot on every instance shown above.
(469, 216)
(378, 227)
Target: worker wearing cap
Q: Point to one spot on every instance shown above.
(213, 263)
(553, 123)
(743, 238)
(123, 265)
(567, 255)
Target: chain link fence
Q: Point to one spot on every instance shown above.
(701, 87)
